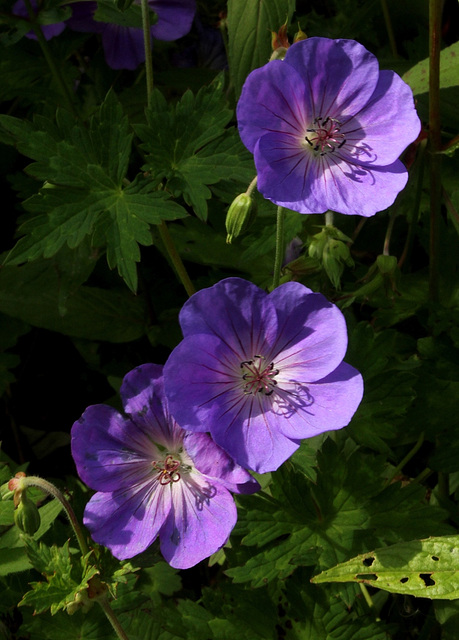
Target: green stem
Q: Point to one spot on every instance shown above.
(162, 228)
(175, 258)
(252, 185)
(435, 9)
(368, 600)
(407, 458)
(390, 31)
(35, 481)
(147, 47)
(118, 629)
(279, 246)
(390, 228)
(55, 71)
(329, 216)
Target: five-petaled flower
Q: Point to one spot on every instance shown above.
(261, 372)
(154, 479)
(326, 128)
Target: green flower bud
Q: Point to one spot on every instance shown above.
(26, 515)
(240, 216)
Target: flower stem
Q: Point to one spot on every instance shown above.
(407, 458)
(118, 629)
(279, 246)
(147, 47)
(390, 228)
(35, 481)
(435, 9)
(176, 260)
(329, 215)
(390, 31)
(55, 71)
(252, 185)
(162, 227)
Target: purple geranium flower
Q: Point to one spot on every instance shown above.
(326, 127)
(124, 46)
(261, 372)
(154, 479)
(48, 30)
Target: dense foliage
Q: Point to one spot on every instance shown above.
(117, 175)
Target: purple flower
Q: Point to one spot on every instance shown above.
(261, 372)
(154, 479)
(124, 46)
(48, 30)
(326, 127)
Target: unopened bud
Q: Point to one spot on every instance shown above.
(26, 515)
(299, 35)
(241, 215)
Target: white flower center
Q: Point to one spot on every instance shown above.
(324, 136)
(258, 376)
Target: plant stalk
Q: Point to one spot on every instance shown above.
(55, 71)
(435, 11)
(147, 47)
(279, 246)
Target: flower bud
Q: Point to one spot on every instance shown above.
(26, 515)
(299, 35)
(240, 216)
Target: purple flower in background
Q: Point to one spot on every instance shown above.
(123, 46)
(261, 372)
(326, 127)
(48, 30)
(154, 479)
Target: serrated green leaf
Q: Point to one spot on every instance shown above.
(304, 523)
(418, 76)
(189, 146)
(249, 34)
(84, 193)
(422, 568)
(66, 577)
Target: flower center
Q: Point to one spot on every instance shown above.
(259, 376)
(168, 470)
(325, 135)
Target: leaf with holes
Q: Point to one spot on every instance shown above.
(422, 568)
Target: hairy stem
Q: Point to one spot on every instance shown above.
(53, 67)
(147, 47)
(279, 246)
(35, 481)
(118, 629)
(435, 9)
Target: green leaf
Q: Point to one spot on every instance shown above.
(84, 193)
(249, 34)
(65, 576)
(189, 146)
(422, 568)
(31, 293)
(303, 523)
(418, 76)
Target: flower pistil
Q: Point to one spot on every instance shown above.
(258, 376)
(168, 470)
(326, 135)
